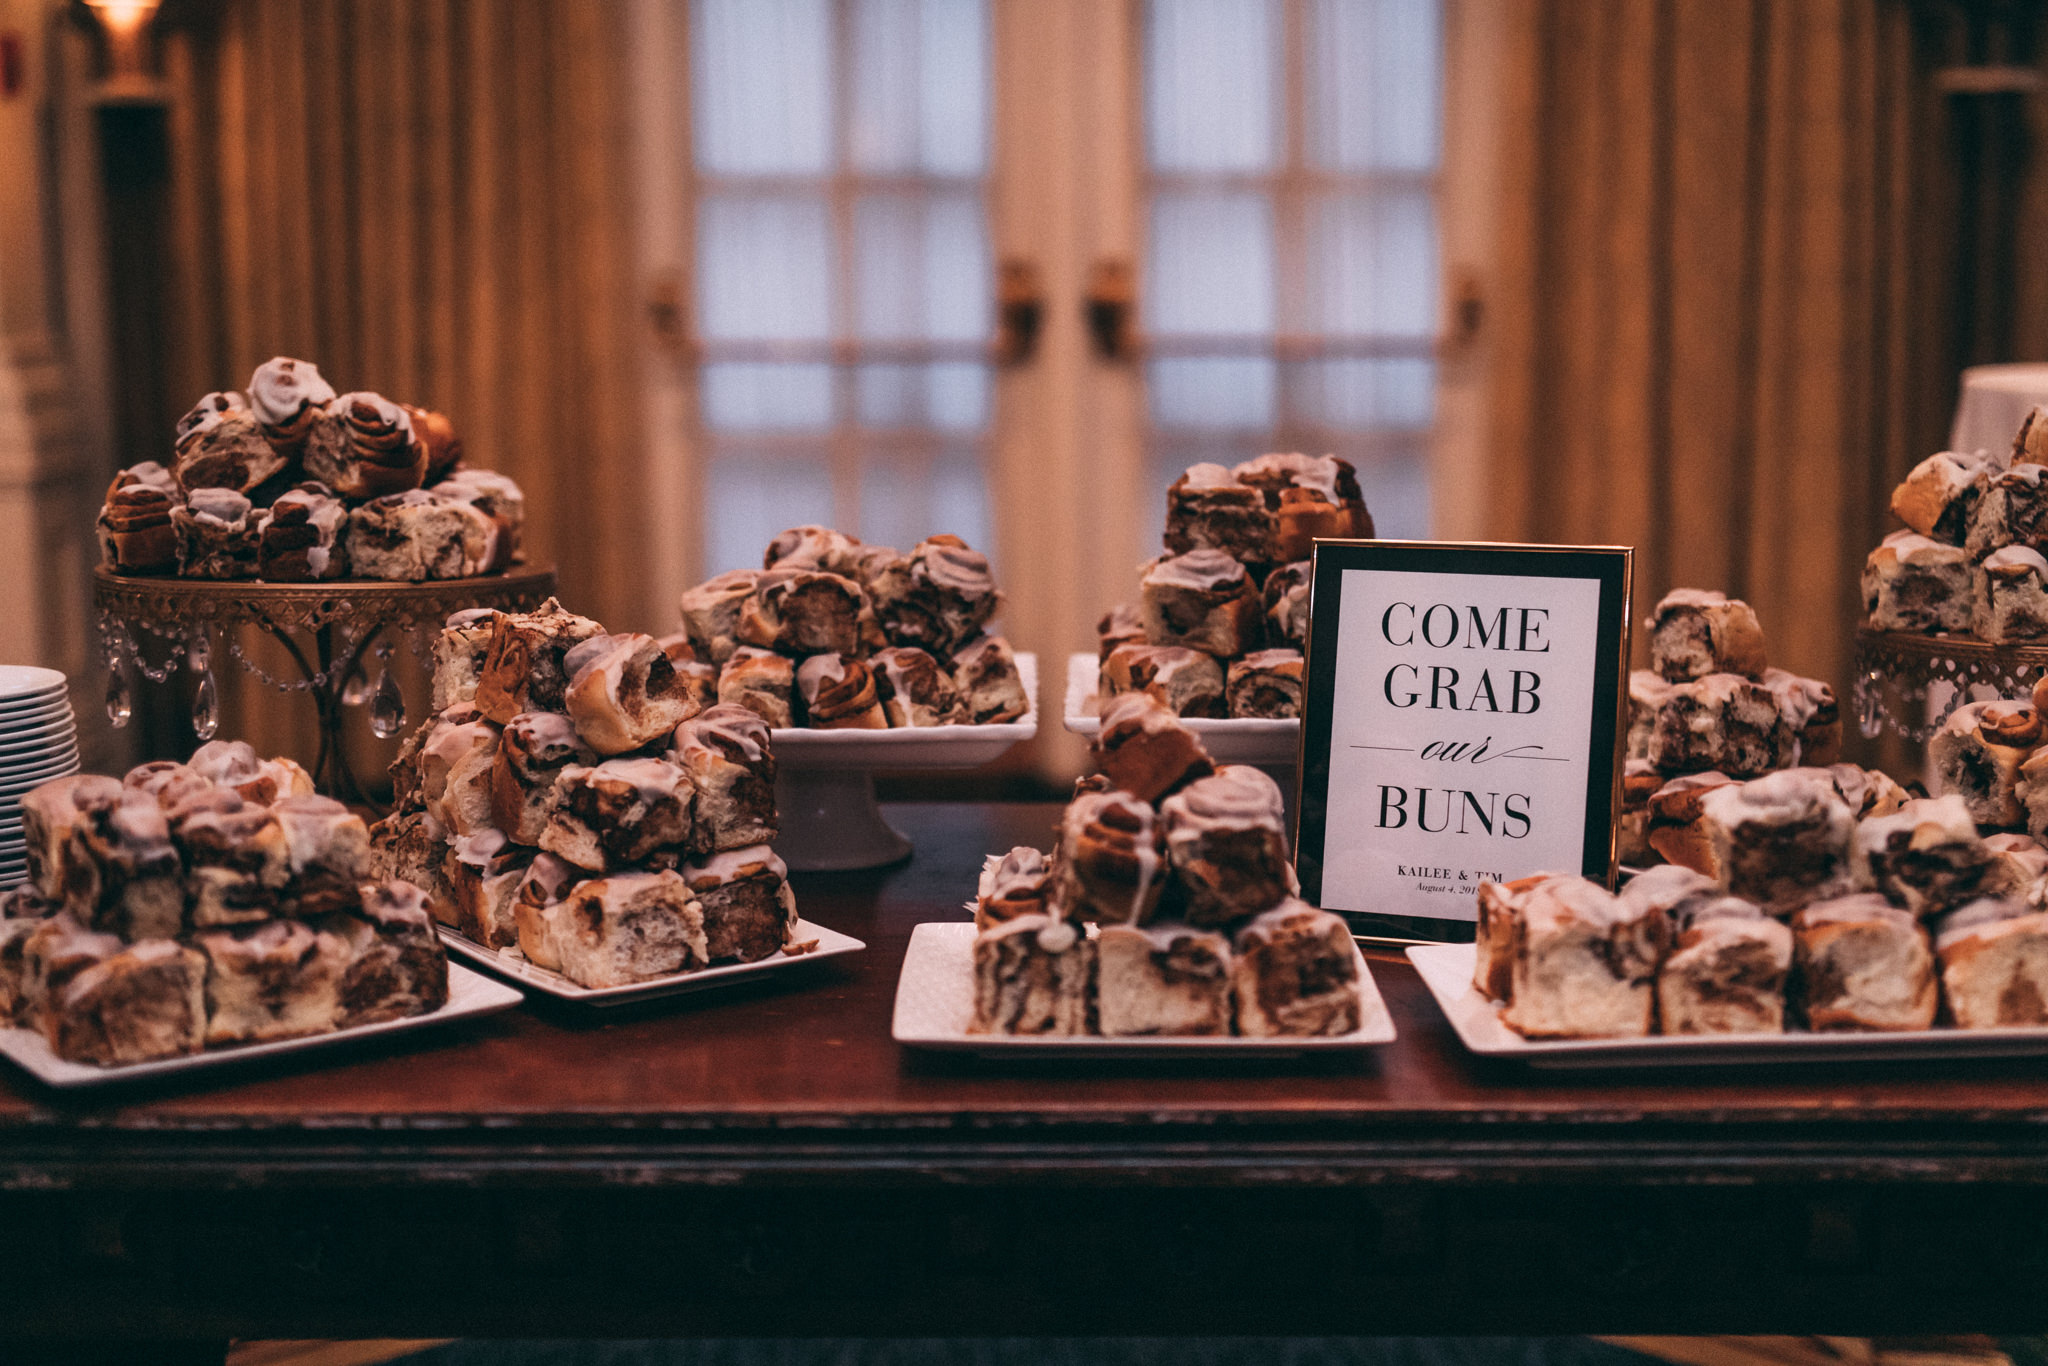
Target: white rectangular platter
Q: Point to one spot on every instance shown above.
(512, 963)
(935, 747)
(1270, 743)
(935, 1004)
(470, 994)
(1447, 970)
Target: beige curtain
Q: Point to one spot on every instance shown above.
(1710, 343)
(428, 198)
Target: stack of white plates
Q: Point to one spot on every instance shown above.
(38, 742)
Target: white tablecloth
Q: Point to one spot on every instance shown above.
(1994, 399)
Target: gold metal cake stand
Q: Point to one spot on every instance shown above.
(1913, 682)
(326, 628)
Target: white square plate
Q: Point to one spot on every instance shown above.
(935, 747)
(1243, 741)
(512, 963)
(935, 1004)
(1447, 970)
(470, 994)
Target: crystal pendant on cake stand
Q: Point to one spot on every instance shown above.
(335, 633)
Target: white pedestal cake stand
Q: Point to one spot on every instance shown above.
(825, 783)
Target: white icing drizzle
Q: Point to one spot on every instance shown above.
(1317, 473)
(955, 568)
(1206, 475)
(207, 414)
(222, 507)
(736, 725)
(478, 847)
(818, 672)
(283, 388)
(1002, 873)
(1204, 571)
(1688, 597)
(226, 762)
(2016, 561)
(652, 779)
(1234, 796)
(386, 416)
(733, 864)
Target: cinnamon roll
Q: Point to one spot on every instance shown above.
(1925, 857)
(1033, 975)
(304, 538)
(1162, 979)
(761, 681)
(1188, 681)
(286, 397)
(1015, 884)
(1782, 840)
(623, 692)
(1209, 508)
(1865, 964)
(628, 928)
(1294, 972)
(1911, 583)
(436, 433)
(711, 612)
(548, 881)
(1203, 600)
(805, 612)
(1285, 598)
(725, 751)
(380, 453)
(990, 684)
(813, 547)
(1311, 496)
(1120, 625)
(218, 530)
(916, 690)
(277, 980)
(144, 1003)
(2012, 511)
(136, 531)
(459, 653)
(2011, 596)
(523, 670)
(1265, 684)
(221, 445)
(619, 813)
(1112, 861)
(499, 500)
(1695, 632)
(743, 896)
(533, 750)
(936, 598)
(396, 966)
(1939, 496)
(1226, 837)
(1977, 754)
(1145, 749)
(839, 694)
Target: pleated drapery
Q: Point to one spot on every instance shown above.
(429, 198)
(1709, 343)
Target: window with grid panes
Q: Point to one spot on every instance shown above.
(843, 281)
(1289, 299)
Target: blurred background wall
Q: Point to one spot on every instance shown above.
(1690, 275)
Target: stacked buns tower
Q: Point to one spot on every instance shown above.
(835, 634)
(206, 903)
(1969, 559)
(1167, 907)
(584, 798)
(291, 482)
(1711, 711)
(1222, 617)
(1822, 897)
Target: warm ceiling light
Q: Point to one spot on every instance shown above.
(123, 18)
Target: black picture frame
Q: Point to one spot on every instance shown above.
(1611, 566)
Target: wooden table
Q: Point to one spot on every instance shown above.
(768, 1162)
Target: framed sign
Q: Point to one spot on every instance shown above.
(1462, 721)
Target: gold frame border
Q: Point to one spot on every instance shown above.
(1627, 646)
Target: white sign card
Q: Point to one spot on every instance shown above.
(1462, 722)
